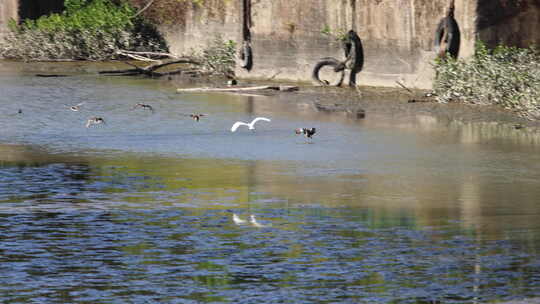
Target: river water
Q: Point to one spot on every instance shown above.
(139, 210)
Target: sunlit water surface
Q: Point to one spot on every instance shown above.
(139, 210)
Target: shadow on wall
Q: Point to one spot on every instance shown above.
(509, 22)
(32, 9)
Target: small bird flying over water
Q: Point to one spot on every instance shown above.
(307, 132)
(95, 121)
(196, 117)
(76, 107)
(144, 106)
(251, 125)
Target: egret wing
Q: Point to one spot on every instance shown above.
(238, 124)
(259, 118)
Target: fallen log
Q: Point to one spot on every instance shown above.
(207, 89)
(244, 89)
(51, 75)
(138, 57)
(413, 100)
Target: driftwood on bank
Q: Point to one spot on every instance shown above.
(150, 70)
(414, 98)
(145, 56)
(403, 86)
(50, 75)
(241, 89)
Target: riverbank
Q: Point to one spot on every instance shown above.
(528, 301)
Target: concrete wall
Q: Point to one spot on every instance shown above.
(289, 36)
(201, 23)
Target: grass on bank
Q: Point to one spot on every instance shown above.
(85, 30)
(505, 76)
(97, 30)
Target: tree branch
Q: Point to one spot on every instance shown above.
(144, 8)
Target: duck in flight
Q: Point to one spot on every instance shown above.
(144, 106)
(251, 125)
(76, 107)
(195, 117)
(95, 121)
(307, 132)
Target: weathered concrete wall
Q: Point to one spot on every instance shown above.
(289, 36)
(397, 37)
(201, 23)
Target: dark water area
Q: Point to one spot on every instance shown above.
(386, 209)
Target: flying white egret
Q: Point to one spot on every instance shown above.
(237, 220)
(250, 125)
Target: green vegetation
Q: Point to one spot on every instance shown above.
(218, 57)
(340, 35)
(505, 76)
(87, 29)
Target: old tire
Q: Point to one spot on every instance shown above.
(339, 67)
(447, 38)
(354, 52)
(246, 56)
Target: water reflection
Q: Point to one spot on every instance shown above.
(160, 229)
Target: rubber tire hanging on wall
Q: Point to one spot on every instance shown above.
(447, 37)
(246, 56)
(354, 53)
(339, 67)
(354, 61)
